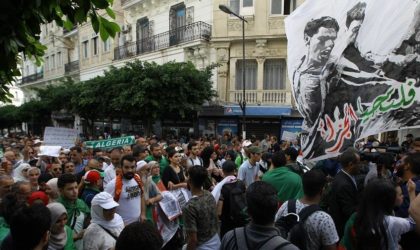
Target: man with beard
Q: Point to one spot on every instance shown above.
(156, 155)
(111, 170)
(127, 190)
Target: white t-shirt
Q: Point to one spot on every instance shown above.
(194, 162)
(319, 226)
(96, 237)
(130, 200)
(396, 227)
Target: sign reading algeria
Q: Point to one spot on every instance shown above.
(355, 70)
(111, 143)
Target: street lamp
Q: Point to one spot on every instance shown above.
(242, 103)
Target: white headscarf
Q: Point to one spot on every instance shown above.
(18, 172)
(57, 240)
(52, 183)
(101, 200)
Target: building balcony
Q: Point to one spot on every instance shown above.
(187, 33)
(71, 67)
(32, 78)
(128, 3)
(279, 97)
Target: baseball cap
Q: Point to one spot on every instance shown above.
(92, 176)
(104, 200)
(255, 150)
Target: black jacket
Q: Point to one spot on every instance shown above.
(343, 200)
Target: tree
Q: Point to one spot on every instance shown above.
(158, 91)
(20, 27)
(9, 117)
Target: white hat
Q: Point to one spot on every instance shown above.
(246, 143)
(140, 165)
(104, 200)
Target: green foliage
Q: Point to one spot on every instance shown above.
(20, 28)
(139, 90)
(9, 116)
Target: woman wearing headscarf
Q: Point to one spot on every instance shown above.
(61, 237)
(52, 189)
(105, 226)
(21, 172)
(33, 175)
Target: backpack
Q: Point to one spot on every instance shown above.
(291, 225)
(238, 205)
(273, 242)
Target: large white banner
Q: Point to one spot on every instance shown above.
(64, 137)
(355, 69)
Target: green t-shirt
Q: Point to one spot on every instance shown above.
(288, 184)
(163, 162)
(239, 160)
(70, 243)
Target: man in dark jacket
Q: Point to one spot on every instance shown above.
(344, 192)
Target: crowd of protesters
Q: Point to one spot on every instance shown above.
(243, 194)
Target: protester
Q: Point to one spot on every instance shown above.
(319, 226)
(52, 190)
(260, 233)
(21, 172)
(151, 192)
(344, 191)
(38, 197)
(223, 193)
(29, 229)
(111, 171)
(173, 177)
(106, 225)
(208, 156)
(199, 214)
(128, 190)
(156, 155)
(33, 175)
(6, 167)
(93, 185)
(69, 168)
(55, 170)
(22, 190)
(6, 183)
(77, 158)
(77, 210)
(287, 183)
(248, 171)
(373, 226)
(291, 156)
(8, 206)
(139, 235)
(61, 235)
(194, 159)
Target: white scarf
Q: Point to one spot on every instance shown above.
(57, 239)
(218, 188)
(18, 172)
(115, 225)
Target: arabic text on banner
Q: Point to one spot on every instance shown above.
(354, 67)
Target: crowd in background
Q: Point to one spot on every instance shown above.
(242, 194)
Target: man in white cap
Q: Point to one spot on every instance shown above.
(106, 225)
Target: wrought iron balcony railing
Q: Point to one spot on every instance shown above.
(187, 33)
(32, 78)
(71, 66)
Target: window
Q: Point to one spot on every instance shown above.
(52, 61)
(59, 60)
(274, 74)
(282, 7)
(247, 3)
(107, 45)
(46, 62)
(85, 49)
(250, 74)
(95, 45)
(242, 7)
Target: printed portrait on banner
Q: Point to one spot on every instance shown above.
(354, 67)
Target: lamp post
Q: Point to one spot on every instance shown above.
(242, 104)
